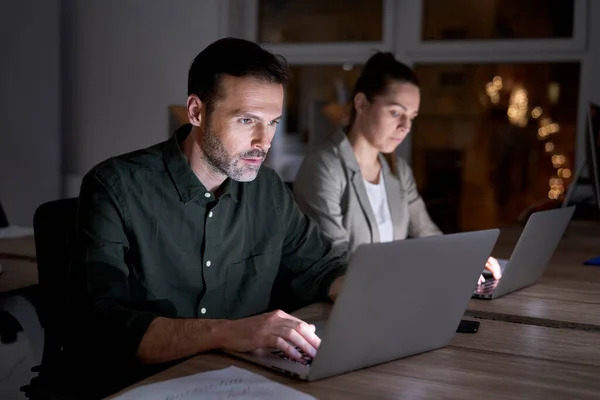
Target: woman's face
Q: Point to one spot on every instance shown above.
(387, 119)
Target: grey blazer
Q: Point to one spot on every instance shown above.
(329, 188)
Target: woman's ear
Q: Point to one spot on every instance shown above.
(194, 110)
(360, 102)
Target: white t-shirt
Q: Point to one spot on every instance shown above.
(381, 209)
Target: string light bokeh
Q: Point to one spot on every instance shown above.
(518, 114)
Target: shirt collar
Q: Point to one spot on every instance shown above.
(185, 180)
(340, 139)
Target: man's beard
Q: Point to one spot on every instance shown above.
(221, 162)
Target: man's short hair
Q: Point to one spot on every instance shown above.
(235, 57)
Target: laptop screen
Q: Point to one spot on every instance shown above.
(593, 149)
(3, 219)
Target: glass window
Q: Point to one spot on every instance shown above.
(491, 140)
(497, 19)
(293, 21)
(317, 100)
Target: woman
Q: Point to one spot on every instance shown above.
(355, 187)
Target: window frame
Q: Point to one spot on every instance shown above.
(413, 50)
(413, 10)
(402, 30)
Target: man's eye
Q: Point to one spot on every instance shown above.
(274, 122)
(246, 121)
(395, 114)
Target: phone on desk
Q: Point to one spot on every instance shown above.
(467, 326)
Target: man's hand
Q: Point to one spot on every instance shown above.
(272, 330)
(493, 266)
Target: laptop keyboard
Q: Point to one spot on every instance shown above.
(487, 287)
(306, 359)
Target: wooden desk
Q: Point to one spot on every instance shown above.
(17, 275)
(568, 295)
(21, 248)
(502, 360)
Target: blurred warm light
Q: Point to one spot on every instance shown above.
(553, 194)
(497, 82)
(517, 111)
(543, 132)
(521, 96)
(491, 89)
(558, 160)
(553, 92)
(348, 67)
(545, 121)
(564, 173)
(555, 182)
(553, 128)
(549, 147)
(536, 112)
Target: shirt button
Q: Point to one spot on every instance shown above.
(208, 263)
(203, 310)
(206, 194)
(210, 214)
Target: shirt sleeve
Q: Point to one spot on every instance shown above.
(309, 260)
(319, 194)
(111, 320)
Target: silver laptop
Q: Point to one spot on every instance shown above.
(531, 255)
(399, 299)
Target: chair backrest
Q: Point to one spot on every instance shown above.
(3, 219)
(54, 228)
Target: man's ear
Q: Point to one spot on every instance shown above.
(195, 108)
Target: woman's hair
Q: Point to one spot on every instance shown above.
(381, 69)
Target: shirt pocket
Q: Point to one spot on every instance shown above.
(249, 283)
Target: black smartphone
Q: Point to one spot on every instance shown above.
(467, 326)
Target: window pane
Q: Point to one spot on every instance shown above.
(497, 19)
(289, 21)
(491, 140)
(316, 100)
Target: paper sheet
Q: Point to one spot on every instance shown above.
(15, 232)
(228, 383)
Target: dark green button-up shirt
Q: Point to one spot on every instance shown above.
(153, 241)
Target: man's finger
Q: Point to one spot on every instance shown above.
(308, 333)
(305, 330)
(296, 339)
(287, 348)
(481, 280)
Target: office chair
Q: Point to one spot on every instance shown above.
(54, 229)
(3, 218)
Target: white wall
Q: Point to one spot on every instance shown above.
(125, 62)
(29, 106)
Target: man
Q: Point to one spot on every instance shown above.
(183, 245)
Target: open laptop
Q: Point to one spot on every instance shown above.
(399, 299)
(531, 255)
